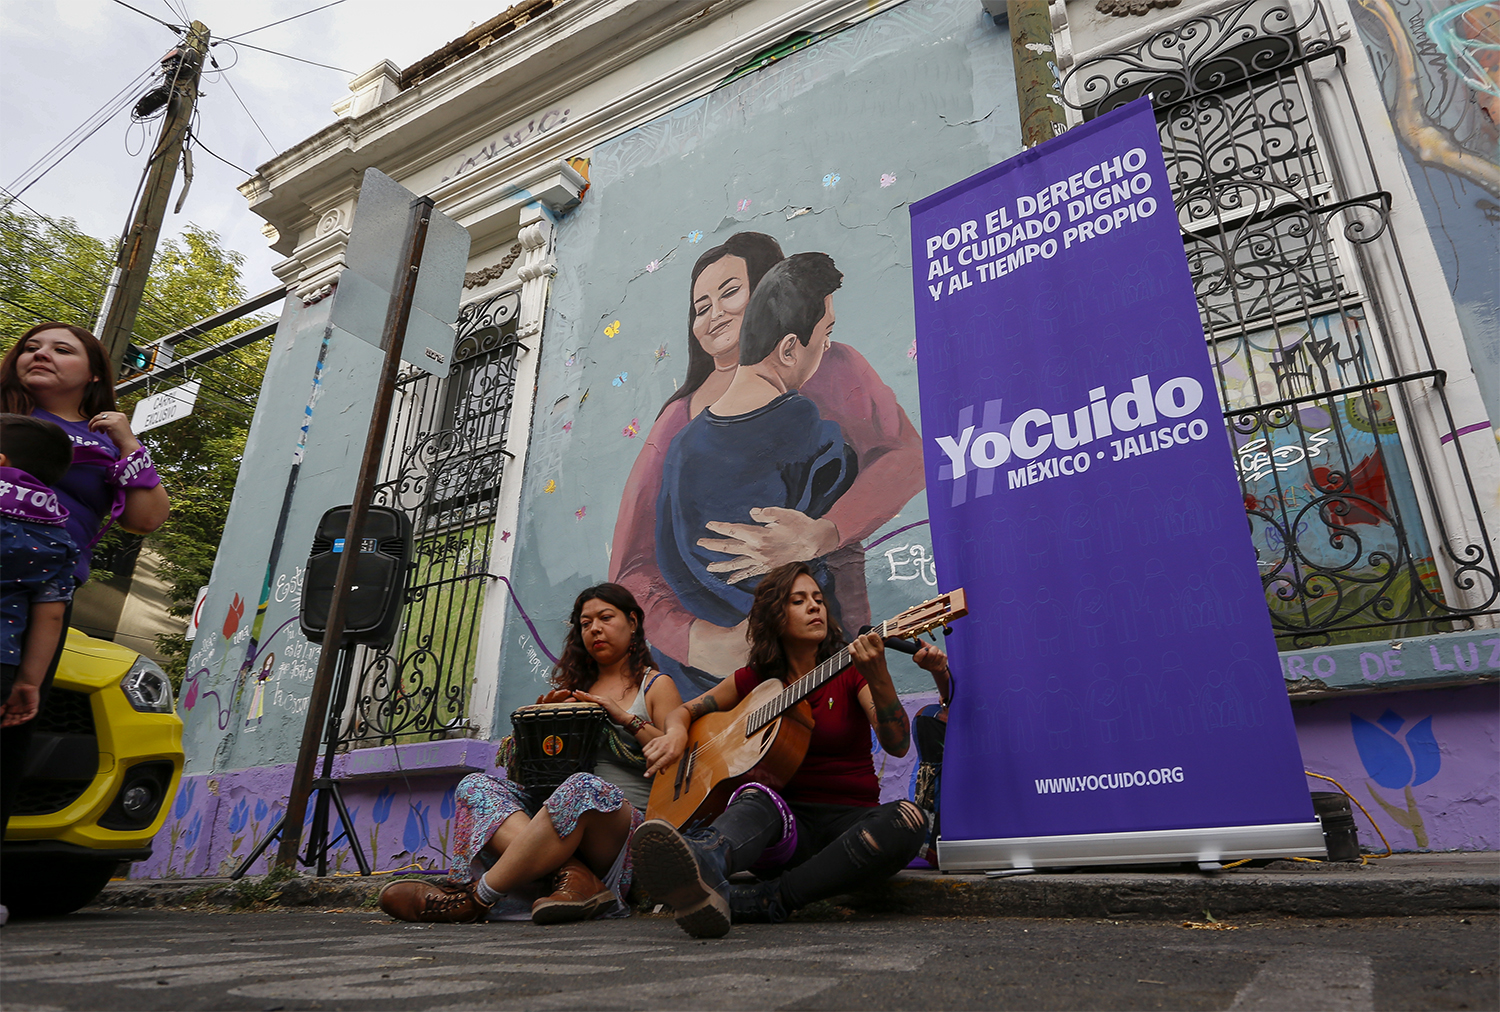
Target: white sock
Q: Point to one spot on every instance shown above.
(485, 893)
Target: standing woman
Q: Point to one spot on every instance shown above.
(826, 830)
(579, 837)
(60, 373)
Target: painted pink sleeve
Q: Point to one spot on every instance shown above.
(632, 560)
(847, 390)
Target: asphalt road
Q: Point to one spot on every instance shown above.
(294, 959)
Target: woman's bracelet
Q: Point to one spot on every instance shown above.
(635, 723)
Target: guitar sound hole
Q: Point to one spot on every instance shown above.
(765, 739)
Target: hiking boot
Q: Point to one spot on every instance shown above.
(686, 872)
(577, 895)
(435, 902)
(758, 903)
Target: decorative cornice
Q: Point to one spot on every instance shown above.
(314, 265)
(549, 60)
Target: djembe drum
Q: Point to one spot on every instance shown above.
(553, 741)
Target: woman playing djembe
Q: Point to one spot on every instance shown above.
(579, 836)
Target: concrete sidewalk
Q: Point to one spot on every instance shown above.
(1401, 885)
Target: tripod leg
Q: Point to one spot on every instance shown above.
(260, 848)
(354, 845)
(317, 839)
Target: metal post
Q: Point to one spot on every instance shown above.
(1037, 96)
(391, 340)
(122, 299)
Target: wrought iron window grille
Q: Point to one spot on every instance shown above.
(1355, 541)
(444, 464)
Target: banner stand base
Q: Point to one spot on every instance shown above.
(1163, 846)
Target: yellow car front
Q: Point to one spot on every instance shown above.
(104, 764)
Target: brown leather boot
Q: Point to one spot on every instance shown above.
(577, 895)
(437, 902)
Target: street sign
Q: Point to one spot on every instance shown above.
(167, 406)
(371, 262)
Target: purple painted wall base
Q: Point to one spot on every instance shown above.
(400, 800)
(1426, 765)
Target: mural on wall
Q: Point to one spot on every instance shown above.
(780, 445)
(216, 821)
(728, 371)
(1438, 64)
(1424, 764)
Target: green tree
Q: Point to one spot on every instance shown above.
(51, 270)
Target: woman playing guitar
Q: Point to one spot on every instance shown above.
(827, 830)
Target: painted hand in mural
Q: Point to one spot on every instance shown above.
(777, 537)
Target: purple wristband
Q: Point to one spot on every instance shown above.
(134, 470)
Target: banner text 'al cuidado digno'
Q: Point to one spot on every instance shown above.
(1117, 672)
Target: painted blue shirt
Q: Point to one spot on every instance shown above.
(719, 468)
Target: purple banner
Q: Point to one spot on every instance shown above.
(1117, 672)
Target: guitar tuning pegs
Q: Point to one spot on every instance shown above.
(947, 630)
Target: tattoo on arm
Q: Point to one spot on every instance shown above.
(702, 706)
(892, 727)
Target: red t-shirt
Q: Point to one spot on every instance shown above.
(838, 769)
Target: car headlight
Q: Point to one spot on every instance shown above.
(147, 687)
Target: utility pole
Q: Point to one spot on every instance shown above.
(1037, 94)
(122, 299)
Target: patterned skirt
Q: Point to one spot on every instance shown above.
(484, 802)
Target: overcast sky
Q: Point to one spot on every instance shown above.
(61, 60)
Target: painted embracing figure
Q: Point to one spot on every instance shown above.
(833, 454)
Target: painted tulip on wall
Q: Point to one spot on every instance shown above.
(1398, 760)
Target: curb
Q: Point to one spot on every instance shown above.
(1281, 889)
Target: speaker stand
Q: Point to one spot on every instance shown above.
(327, 789)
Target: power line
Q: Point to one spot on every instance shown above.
(104, 117)
(235, 92)
(116, 97)
(175, 28)
(283, 21)
(86, 274)
(211, 152)
(286, 56)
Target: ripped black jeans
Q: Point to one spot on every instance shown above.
(839, 847)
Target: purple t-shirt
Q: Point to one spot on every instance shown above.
(84, 488)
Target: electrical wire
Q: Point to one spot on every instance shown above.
(212, 153)
(285, 56)
(150, 311)
(1352, 798)
(235, 92)
(175, 28)
(283, 21)
(111, 108)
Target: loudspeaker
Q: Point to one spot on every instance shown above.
(378, 583)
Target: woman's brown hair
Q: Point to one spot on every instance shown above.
(577, 668)
(98, 396)
(767, 621)
(760, 253)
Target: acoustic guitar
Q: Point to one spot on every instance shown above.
(765, 737)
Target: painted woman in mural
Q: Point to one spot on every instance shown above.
(846, 391)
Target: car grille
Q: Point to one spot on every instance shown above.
(66, 712)
(43, 797)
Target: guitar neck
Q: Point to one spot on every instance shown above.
(802, 688)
